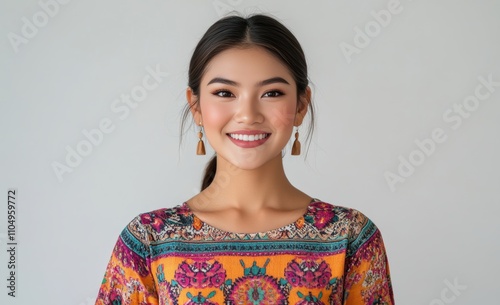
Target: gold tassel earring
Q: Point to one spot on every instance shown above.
(201, 146)
(296, 143)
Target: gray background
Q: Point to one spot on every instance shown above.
(440, 225)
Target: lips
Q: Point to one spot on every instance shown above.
(246, 137)
(248, 134)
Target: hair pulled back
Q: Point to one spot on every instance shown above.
(235, 31)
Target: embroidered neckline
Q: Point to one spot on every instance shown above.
(261, 233)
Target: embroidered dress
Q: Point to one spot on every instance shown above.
(330, 255)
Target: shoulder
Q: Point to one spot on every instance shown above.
(151, 225)
(343, 222)
(335, 213)
(159, 218)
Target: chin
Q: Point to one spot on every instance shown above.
(246, 165)
(249, 159)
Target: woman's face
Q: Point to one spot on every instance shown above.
(248, 91)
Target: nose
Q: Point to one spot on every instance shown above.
(249, 110)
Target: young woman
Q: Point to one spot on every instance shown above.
(249, 236)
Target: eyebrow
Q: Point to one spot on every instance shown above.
(272, 80)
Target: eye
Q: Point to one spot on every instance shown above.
(223, 93)
(274, 93)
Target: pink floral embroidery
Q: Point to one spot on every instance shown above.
(200, 274)
(322, 213)
(308, 273)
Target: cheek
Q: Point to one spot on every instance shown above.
(282, 116)
(215, 116)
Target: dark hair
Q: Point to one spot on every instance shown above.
(235, 31)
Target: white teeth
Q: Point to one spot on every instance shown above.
(246, 137)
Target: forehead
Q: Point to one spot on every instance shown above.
(246, 65)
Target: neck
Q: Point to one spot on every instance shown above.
(248, 190)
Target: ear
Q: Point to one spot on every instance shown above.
(304, 101)
(194, 107)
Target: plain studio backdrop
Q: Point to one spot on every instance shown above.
(407, 100)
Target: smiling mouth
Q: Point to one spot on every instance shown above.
(248, 138)
(248, 141)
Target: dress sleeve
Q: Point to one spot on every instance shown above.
(367, 277)
(128, 279)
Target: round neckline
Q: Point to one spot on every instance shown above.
(211, 227)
